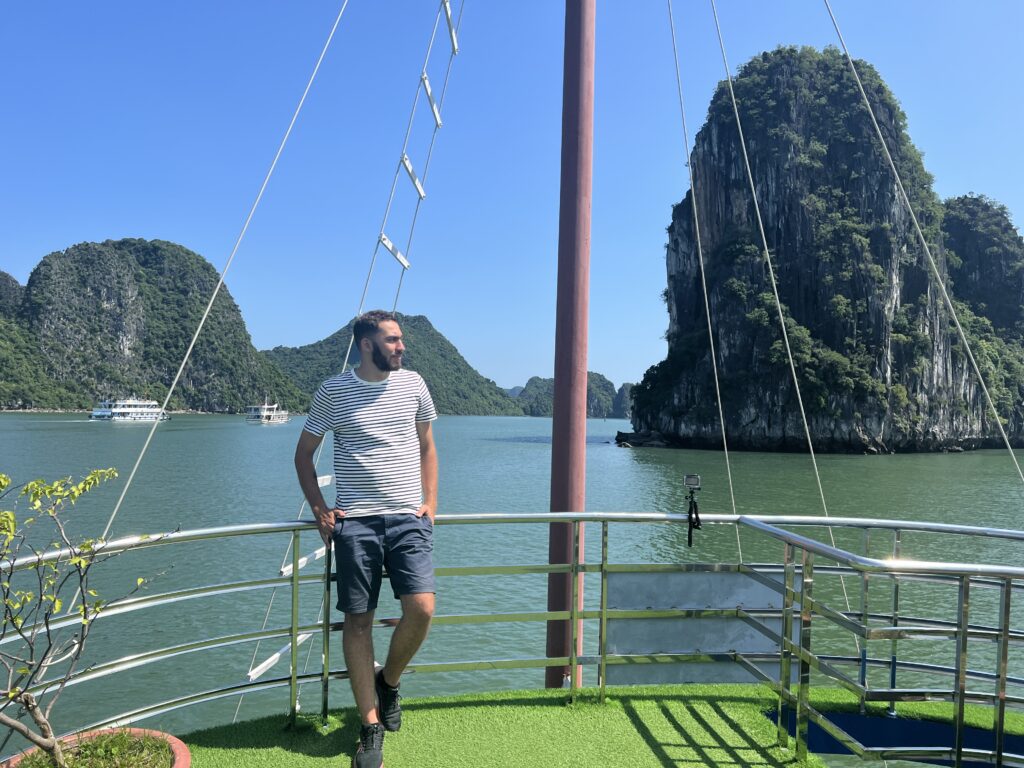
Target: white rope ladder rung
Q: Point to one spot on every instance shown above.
(407, 164)
(430, 98)
(305, 560)
(451, 26)
(386, 242)
(273, 658)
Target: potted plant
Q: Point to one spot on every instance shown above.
(44, 576)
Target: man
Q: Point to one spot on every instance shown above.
(385, 472)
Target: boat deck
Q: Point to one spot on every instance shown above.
(788, 624)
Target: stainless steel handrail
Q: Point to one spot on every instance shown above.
(175, 537)
(800, 610)
(871, 565)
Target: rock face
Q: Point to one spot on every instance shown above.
(878, 365)
(113, 319)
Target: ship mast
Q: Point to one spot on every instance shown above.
(569, 423)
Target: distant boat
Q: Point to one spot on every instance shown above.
(268, 413)
(129, 409)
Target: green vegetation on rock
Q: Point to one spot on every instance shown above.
(114, 319)
(987, 259)
(603, 402)
(10, 296)
(454, 385)
(879, 365)
(25, 383)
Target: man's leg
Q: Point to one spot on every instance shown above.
(357, 642)
(417, 611)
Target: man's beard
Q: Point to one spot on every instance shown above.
(383, 363)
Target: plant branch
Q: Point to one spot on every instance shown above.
(23, 730)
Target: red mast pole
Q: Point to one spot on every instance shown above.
(569, 427)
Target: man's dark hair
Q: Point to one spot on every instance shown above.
(368, 323)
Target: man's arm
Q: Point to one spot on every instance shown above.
(428, 469)
(306, 470)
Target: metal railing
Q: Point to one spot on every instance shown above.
(801, 610)
(964, 576)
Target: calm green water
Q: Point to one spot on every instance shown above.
(206, 471)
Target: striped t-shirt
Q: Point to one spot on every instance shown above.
(376, 447)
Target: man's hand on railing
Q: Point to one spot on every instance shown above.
(325, 519)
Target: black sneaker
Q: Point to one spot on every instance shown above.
(389, 704)
(370, 753)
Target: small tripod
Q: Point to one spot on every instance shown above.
(692, 483)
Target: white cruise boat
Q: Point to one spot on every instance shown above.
(128, 409)
(268, 413)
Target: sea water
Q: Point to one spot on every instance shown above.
(203, 471)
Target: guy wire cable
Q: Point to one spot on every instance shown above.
(700, 261)
(924, 244)
(223, 274)
(775, 289)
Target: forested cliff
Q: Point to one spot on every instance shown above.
(456, 387)
(878, 361)
(114, 319)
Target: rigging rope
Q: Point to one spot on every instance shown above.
(775, 289)
(768, 259)
(700, 261)
(227, 266)
(924, 244)
(220, 282)
(422, 86)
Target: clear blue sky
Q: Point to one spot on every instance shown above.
(159, 120)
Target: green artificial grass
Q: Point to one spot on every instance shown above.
(680, 726)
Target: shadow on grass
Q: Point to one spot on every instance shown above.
(274, 732)
(692, 740)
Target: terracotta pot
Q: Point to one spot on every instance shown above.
(180, 756)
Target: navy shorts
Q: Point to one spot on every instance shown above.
(365, 546)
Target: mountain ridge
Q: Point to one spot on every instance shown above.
(113, 319)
